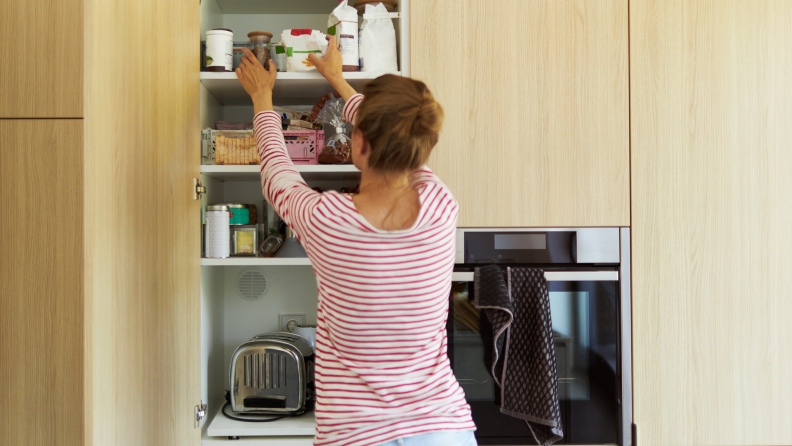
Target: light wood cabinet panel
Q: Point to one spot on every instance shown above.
(536, 100)
(143, 151)
(41, 283)
(711, 240)
(41, 59)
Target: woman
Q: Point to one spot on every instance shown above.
(383, 260)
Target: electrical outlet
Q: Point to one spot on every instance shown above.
(294, 318)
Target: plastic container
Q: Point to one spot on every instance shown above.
(218, 232)
(278, 53)
(260, 45)
(304, 146)
(219, 50)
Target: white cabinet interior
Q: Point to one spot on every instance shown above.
(228, 318)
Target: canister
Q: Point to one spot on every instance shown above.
(240, 213)
(219, 50)
(218, 233)
(260, 44)
(279, 55)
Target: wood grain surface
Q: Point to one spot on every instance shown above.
(536, 99)
(143, 150)
(41, 283)
(41, 59)
(712, 240)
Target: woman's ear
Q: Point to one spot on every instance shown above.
(360, 150)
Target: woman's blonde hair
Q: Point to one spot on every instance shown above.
(401, 122)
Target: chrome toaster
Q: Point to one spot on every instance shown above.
(273, 374)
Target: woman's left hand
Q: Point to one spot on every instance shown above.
(257, 81)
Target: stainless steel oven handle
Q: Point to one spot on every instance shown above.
(557, 276)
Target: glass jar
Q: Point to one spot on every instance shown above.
(271, 245)
(260, 45)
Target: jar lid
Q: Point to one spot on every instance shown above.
(217, 207)
(220, 31)
(236, 206)
(259, 33)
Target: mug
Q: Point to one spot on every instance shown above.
(309, 333)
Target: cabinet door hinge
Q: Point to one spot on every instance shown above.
(199, 189)
(200, 413)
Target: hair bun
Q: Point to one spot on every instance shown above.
(401, 121)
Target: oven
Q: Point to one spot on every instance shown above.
(588, 275)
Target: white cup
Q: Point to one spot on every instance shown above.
(309, 333)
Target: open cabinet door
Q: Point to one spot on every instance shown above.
(142, 224)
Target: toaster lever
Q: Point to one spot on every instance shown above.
(200, 413)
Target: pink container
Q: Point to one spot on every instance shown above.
(304, 145)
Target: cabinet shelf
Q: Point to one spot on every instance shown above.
(257, 261)
(302, 425)
(290, 88)
(318, 172)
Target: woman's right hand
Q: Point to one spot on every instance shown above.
(331, 66)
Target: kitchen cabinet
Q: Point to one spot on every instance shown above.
(41, 302)
(41, 59)
(536, 108)
(711, 105)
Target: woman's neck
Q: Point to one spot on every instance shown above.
(384, 183)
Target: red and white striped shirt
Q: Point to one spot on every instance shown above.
(382, 370)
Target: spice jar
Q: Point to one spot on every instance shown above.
(260, 42)
(217, 232)
(240, 213)
(219, 50)
(279, 55)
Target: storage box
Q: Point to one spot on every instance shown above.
(235, 147)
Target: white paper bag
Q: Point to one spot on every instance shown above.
(378, 40)
(299, 43)
(343, 23)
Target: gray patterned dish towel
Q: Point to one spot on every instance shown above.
(518, 346)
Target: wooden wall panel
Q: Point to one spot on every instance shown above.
(712, 240)
(41, 58)
(536, 101)
(41, 283)
(143, 150)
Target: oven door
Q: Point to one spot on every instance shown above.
(585, 312)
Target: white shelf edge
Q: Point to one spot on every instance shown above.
(296, 426)
(257, 261)
(310, 75)
(256, 168)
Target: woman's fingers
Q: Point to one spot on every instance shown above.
(314, 59)
(249, 55)
(273, 68)
(332, 42)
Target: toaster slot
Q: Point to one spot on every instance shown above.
(282, 373)
(268, 368)
(265, 402)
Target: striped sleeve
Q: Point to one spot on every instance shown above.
(282, 186)
(351, 108)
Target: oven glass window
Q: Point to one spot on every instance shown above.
(584, 317)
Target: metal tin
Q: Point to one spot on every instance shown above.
(240, 213)
(217, 232)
